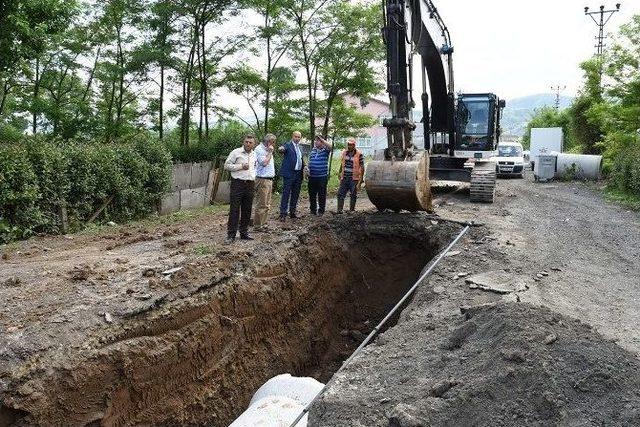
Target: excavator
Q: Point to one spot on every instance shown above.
(460, 131)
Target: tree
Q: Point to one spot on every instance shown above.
(550, 117)
(347, 62)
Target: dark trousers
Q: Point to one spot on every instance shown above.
(348, 185)
(317, 194)
(241, 198)
(290, 193)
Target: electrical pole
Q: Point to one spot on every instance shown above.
(557, 89)
(605, 15)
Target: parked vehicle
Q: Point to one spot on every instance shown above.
(510, 159)
(545, 140)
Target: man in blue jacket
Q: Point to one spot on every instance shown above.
(291, 172)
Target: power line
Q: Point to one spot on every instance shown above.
(557, 89)
(605, 15)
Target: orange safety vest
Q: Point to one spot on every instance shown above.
(357, 168)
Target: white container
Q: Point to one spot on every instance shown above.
(545, 140)
(579, 166)
(545, 167)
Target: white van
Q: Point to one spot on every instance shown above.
(509, 159)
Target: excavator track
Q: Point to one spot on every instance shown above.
(483, 186)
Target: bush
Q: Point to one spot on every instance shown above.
(625, 170)
(223, 138)
(39, 177)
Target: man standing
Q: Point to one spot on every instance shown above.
(291, 172)
(242, 164)
(265, 171)
(351, 174)
(318, 175)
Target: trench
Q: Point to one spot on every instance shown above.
(303, 314)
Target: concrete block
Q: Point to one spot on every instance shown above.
(222, 195)
(199, 174)
(181, 176)
(170, 203)
(193, 198)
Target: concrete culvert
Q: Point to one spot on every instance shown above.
(299, 305)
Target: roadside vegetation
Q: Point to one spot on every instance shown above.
(98, 98)
(605, 116)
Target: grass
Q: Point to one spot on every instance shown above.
(203, 250)
(155, 220)
(622, 198)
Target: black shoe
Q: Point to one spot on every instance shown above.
(230, 239)
(246, 237)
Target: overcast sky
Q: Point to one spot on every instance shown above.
(515, 48)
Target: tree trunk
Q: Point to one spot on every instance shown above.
(269, 70)
(205, 85)
(5, 94)
(36, 90)
(161, 101)
(120, 103)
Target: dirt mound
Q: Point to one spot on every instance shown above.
(505, 364)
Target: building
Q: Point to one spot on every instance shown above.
(375, 137)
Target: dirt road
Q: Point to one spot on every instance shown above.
(475, 348)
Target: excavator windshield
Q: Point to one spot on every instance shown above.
(475, 123)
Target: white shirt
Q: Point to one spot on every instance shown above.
(298, 156)
(268, 171)
(236, 159)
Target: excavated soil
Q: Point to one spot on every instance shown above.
(118, 343)
(504, 364)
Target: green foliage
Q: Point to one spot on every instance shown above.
(550, 117)
(625, 172)
(223, 138)
(39, 177)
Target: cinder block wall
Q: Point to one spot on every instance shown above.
(188, 187)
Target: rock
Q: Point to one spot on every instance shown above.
(172, 270)
(385, 400)
(440, 388)
(459, 335)
(438, 289)
(111, 224)
(452, 253)
(404, 415)
(544, 273)
(550, 339)
(149, 272)
(357, 335)
(12, 281)
(434, 222)
(344, 332)
(513, 355)
(108, 318)
(556, 269)
(143, 296)
(463, 274)
(539, 276)
(473, 286)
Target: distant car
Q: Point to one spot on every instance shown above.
(509, 159)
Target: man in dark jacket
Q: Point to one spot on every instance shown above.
(291, 172)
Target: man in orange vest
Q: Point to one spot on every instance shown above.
(351, 175)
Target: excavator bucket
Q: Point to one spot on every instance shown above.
(399, 184)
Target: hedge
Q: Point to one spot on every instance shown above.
(39, 177)
(625, 171)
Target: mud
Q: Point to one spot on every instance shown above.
(191, 347)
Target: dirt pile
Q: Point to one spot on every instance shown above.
(198, 343)
(501, 364)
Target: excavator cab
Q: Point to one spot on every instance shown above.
(477, 125)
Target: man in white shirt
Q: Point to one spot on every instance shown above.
(265, 171)
(241, 162)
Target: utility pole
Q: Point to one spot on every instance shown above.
(557, 89)
(605, 15)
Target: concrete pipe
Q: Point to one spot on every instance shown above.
(580, 166)
(399, 184)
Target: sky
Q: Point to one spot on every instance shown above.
(515, 48)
